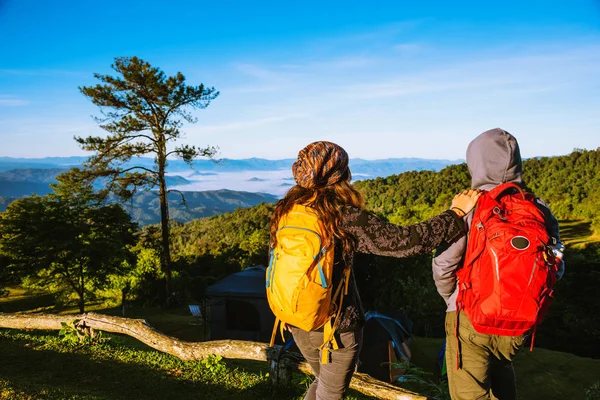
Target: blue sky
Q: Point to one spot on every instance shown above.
(381, 78)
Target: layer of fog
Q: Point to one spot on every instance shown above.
(273, 182)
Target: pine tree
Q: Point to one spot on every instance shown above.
(143, 112)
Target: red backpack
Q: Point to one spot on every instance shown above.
(505, 285)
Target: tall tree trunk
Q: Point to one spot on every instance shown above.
(81, 303)
(124, 292)
(81, 291)
(165, 259)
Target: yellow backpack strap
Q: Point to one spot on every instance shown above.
(347, 277)
(281, 329)
(330, 327)
(277, 322)
(328, 342)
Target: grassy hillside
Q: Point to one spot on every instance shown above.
(578, 233)
(541, 374)
(40, 365)
(145, 207)
(569, 184)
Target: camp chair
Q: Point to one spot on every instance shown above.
(196, 313)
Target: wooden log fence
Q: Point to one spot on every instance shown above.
(186, 351)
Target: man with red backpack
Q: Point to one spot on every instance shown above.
(496, 281)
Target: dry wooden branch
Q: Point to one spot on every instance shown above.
(234, 349)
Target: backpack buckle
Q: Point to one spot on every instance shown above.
(325, 355)
(497, 211)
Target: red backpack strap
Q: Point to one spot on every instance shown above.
(499, 190)
(476, 236)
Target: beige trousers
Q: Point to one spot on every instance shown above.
(486, 370)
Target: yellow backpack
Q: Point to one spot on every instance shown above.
(299, 278)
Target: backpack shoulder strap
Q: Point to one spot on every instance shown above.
(499, 190)
(476, 234)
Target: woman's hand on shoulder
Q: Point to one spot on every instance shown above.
(464, 202)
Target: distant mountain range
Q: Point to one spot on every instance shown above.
(371, 168)
(25, 176)
(223, 165)
(23, 182)
(145, 209)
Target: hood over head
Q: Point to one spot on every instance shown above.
(494, 158)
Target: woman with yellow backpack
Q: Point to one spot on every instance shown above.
(315, 231)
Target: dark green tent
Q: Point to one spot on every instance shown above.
(236, 307)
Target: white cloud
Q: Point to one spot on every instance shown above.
(407, 47)
(426, 109)
(266, 74)
(243, 125)
(10, 101)
(385, 92)
(367, 39)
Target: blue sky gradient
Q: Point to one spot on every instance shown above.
(382, 79)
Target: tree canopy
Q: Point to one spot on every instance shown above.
(143, 111)
(570, 184)
(66, 238)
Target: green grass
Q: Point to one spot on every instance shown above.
(577, 233)
(40, 366)
(22, 300)
(541, 374)
(171, 321)
(37, 365)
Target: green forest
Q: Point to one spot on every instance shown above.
(568, 183)
(207, 249)
(210, 248)
(82, 252)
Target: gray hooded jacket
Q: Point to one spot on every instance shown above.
(493, 158)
